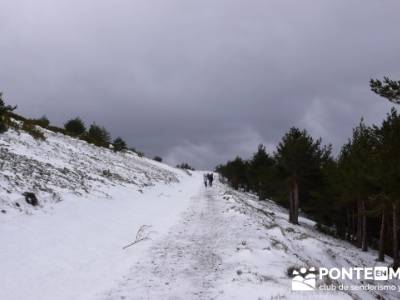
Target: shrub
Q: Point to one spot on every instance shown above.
(30, 127)
(42, 122)
(57, 129)
(4, 111)
(98, 136)
(3, 127)
(107, 173)
(75, 127)
(16, 117)
(185, 166)
(157, 158)
(119, 144)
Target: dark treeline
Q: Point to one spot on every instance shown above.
(76, 128)
(185, 166)
(355, 196)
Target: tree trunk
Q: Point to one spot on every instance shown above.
(364, 227)
(359, 223)
(396, 261)
(354, 234)
(291, 204)
(235, 183)
(295, 201)
(381, 256)
(348, 225)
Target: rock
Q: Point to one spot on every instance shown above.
(31, 198)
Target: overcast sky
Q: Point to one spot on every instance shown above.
(200, 80)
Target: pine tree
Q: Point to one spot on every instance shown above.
(381, 207)
(119, 144)
(43, 121)
(260, 173)
(4, 110)
(75, 127)
(358, 178)
(299, 158)
(158, 158)
(235, 172)
(388, 89)
(322, 198)
(389, 154)
(98, 135)
(185, 166)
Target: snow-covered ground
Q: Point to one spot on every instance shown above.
(229, 246)
(213, 243)
(76, 250)
(60, 167)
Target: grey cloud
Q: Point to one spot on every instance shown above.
(200, 80)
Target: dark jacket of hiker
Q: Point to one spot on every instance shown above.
(210, 178)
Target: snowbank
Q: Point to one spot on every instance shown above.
(76, 251)
(92, 201)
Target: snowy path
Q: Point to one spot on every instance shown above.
(218, 250)
(186, 263)
(228, 245)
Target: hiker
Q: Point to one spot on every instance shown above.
(205, 179)
(210, 179)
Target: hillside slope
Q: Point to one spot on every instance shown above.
(62, 166)
(92, 202)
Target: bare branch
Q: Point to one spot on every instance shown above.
(141, 235)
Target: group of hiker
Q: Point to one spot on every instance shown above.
(208, 179)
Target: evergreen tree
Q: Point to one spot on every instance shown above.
(98, 135)
(260, 173)
(320, 201)
(43, 121)
(357, 196)
(388, 89)
(300, 159)
(389, 162)
(119, 144)
(236, 172)
(75, 127)
(185, 166)
(4, 110)
(158, 158)
(357, 167)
